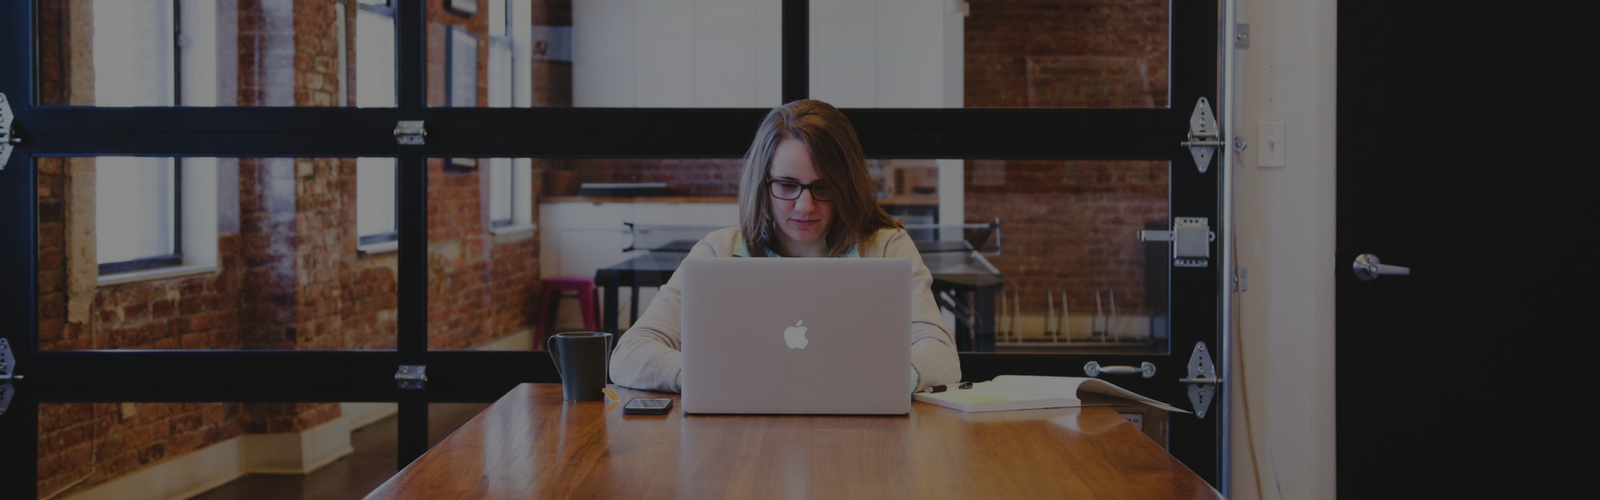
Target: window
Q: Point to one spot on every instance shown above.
(155, 217)
(510, 186)
(147, 224)
(136, 203)
(136, 214)
(376, 186)
(500, 188)
(375, 209)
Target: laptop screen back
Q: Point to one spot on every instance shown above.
(796, 335)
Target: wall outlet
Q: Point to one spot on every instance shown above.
(1272, 151)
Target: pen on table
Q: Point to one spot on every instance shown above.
(942, 387)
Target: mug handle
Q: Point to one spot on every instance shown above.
(550, 346)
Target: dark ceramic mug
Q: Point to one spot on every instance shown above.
(581, 360)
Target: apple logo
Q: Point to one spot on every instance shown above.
(795, 336)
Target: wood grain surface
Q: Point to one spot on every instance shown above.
(531, 444)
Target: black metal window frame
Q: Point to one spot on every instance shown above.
(336, 376)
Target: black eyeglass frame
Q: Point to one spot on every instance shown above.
(803, 187)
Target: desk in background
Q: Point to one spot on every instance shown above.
(963, 283)
(531, 444)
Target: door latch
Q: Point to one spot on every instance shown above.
(1202, 380)
(6, 139)
(1204, 137)
(1145, 369)
(1191, 239)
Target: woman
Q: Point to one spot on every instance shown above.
(803, 192)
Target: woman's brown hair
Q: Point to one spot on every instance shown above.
(835, 151)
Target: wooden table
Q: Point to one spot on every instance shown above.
(531, 444)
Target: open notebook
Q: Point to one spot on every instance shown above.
(1027, 392)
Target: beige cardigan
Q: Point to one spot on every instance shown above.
(648, 356)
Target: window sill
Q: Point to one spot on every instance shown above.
(155, 274)
(514, 229)
(379, 248)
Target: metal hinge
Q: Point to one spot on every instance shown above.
(410, 133)
(1202, 380)
(1241, 36)
(1204, 138)
(7, 364)
(6, 140)
(1191, 239)
(414, 377)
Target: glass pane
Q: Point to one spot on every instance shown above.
(1076, 276)
(1045, 250)
(614, 53)
(502, 185)
(224, 450)
(1013, 54)
(375, 73)
(137, 210)
(130, 53)
(265, 255)
(483, 253)
(375, 199)
(603, 214)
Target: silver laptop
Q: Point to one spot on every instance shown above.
(796, 335)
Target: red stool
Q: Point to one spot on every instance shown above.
(550, 293)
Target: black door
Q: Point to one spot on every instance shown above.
(1459, 130)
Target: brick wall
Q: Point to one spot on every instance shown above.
(291, 276)
(101, 441)
(552, 80)
(1072, 53)
(480, 287)
(1071, 225)
(1068, 225)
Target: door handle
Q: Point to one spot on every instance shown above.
(1368, 268)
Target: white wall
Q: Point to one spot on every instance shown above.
(728, 53)
(1285, 240)
(676, 53)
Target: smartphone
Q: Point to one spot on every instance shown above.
(647, 406)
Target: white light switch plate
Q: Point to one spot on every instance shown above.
(1272, 152)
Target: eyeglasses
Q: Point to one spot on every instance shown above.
(790, 190)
